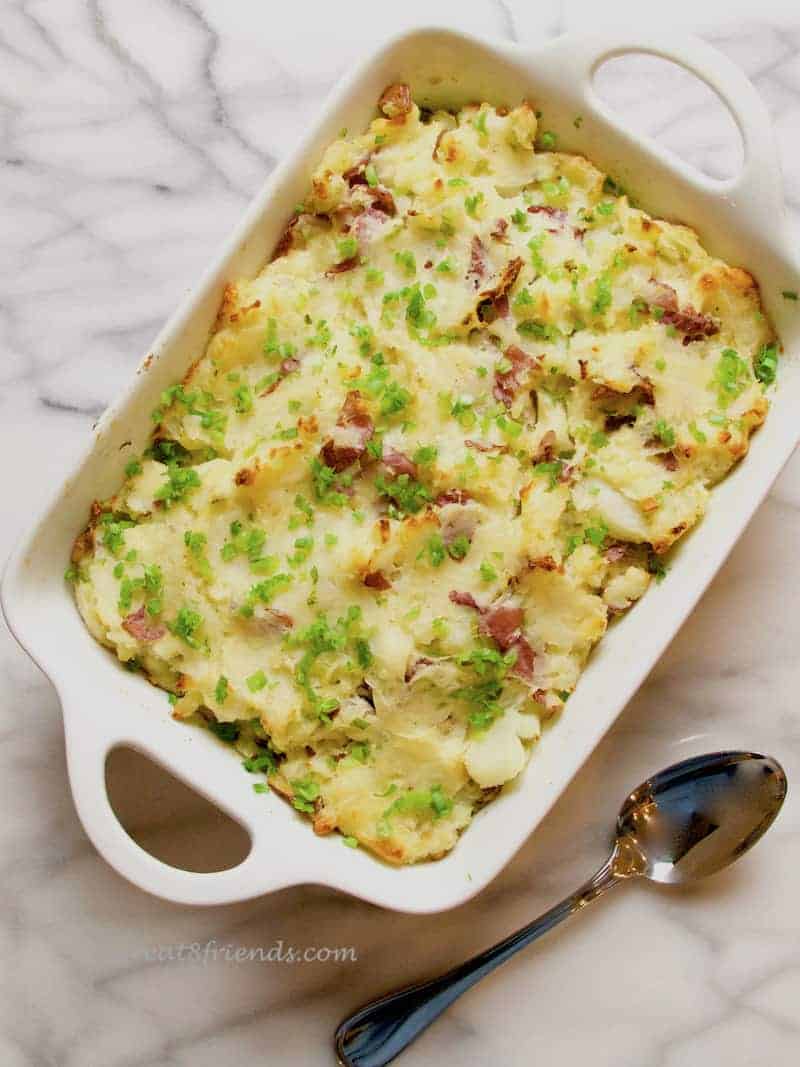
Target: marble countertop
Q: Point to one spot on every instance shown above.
(133, 136)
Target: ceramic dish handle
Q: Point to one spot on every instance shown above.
(87, 753)
(757, 189)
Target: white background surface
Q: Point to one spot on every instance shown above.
(133, 134)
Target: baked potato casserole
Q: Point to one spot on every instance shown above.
(445, 435)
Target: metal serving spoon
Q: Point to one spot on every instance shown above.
(690, 820)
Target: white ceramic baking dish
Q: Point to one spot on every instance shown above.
(741, 219)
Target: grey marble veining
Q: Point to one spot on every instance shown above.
(132, 137)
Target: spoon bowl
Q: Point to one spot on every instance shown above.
(696, 817)
(686, 822)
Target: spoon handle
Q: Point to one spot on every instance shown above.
(379, 1031)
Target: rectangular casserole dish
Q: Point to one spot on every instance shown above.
(740, 220)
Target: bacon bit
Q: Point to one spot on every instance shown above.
(503, 623)
(566, 473)
(646, 390)
(584, 365)
(355, 175)
(138, 626)
(377, 580)
(466, 600)
(501, 306)
(349, 440)
(614, 422)
(452, 496)
(428, 264)
(384, 528)
(343, 265)
(338, 459)
(614, 553)
(383, 201)
(526, 657)
(506, 383)
(499, 231)
(669, 460)
(692, 324)
(395, 100)
(546, 209)
(413, 669)
(477, 261)
(578, 232)
(481, 446)
(399, 463)
(287, 366)
(286, 239)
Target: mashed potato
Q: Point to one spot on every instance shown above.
(430, 450)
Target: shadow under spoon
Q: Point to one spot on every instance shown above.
(688, 821)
